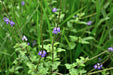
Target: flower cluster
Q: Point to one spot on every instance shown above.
(8, 21)
(42, 53)
(110, 49)
(98, 66)
(56, 30)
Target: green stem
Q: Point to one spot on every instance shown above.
(96, 56)
(100, 71)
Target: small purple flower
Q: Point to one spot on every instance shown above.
(24, 38)
(34, 42)
(76, 16)
(54, 9)
(89, 22)
(110, 49)
(56, 30)
(12, 23)
(42, 54)
(98, 66)
(6, 20)
(28, 43)
(99, 59)
(23, 3)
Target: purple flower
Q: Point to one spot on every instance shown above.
(12, 23)
(56, 30)
(110, 49)
(6, 20)
(98, 66)
(28, 43)
(34, 42)
(24, 38)
(23, 3)
(42, 54)
(89, 22)
(76, 16)
(54, 9)
(99, 59)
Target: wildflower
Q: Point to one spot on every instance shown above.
(42, 54)
(76, 16)
(98, 66)
(99, 59)
(110, 49)
(89, 22)
(24, 38)
(28, 43)
(56, 30)
(34, 42)
(6, 20)
(54, 9)
(23, 3)
(12, 23)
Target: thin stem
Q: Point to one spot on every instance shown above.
(16, 23)
(90, 71)
(96, 56)
(58, 37)
(41, 36)
(38, 63)
(41, 28)
(54, 38)
(59, 14)
(88, 16)
(29, 54)
(52, 52)
(53, 49)
(107, 58)
(100, 71)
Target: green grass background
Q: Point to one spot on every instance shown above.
(27, 22)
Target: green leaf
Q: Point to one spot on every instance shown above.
(60, 50)
(55, 65)
(72, 45)
(68, 66)
(73, 38)
(73, 71)
(88, 38)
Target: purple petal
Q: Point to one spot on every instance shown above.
(95, 66)
(110, 49)
(23, 3)
(54, 9)
(12, 23)
(6, 20)
(28, 43)
(58, 29)
(89, 22)
(24, 38)
(42, 54)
